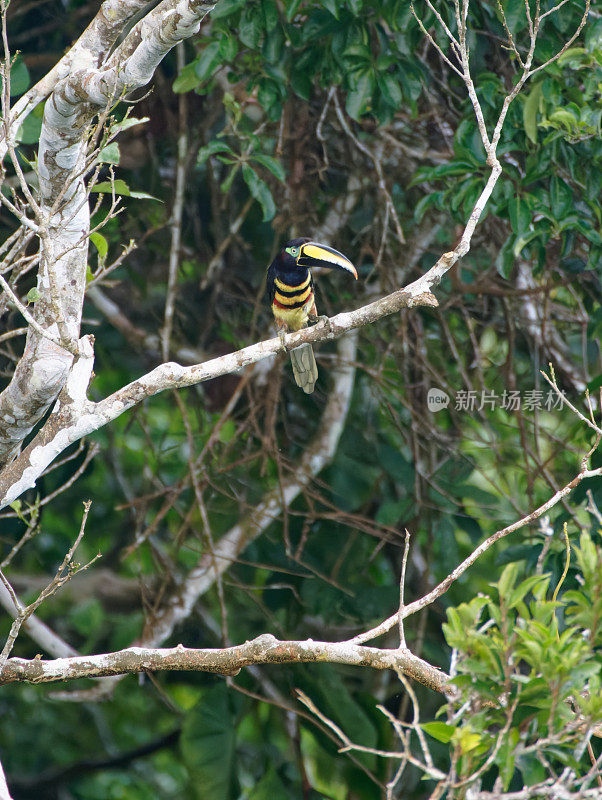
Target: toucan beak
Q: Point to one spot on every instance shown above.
(319, 255)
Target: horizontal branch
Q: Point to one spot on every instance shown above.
(265, 649)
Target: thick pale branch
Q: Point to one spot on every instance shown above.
(134, 62)
(265, 649)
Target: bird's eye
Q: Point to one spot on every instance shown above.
(295, 251)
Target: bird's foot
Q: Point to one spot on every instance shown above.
(315, 318)
(282, 334)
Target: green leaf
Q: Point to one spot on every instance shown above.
(19, 77)
(301, 84)
(29, 131)
(515, 15)
(564, 117)
(358, 50)
(506, 757)
(260, 191)
(332, 6)
(523, 588)
(33, 295)
(272, 164)
(396, 466)
(270, 787)
(16, 506)
(272, 47)
(432, 199)
(211, 149)
(523, 241)
(251, 26)
(339, 703)
(270, 14)
(520, 215)
(127, 123)
(228, 47)
(187, 80)
(468, 740)
(530, 108)
(391, 512)
(440, 731)
(109, 154)
(227, 182)
(226, 8)
(359, 96)
(101, 244)
(207, 744)
(561, 198)
(120, 187)
(390, 89)
(507, 579)
(227, 431)
(292, 8)
(207, 62)
(573, 54)
(268, 95)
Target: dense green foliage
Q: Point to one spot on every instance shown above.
(271, 152)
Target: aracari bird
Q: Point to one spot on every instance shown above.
(291, 292)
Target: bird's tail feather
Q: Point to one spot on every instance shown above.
(305, 369)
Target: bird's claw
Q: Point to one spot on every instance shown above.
(315, 318)
(282, 334)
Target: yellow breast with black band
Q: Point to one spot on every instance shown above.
(292, 299)
(291, 304)
(288, 289)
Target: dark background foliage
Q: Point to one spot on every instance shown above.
(290, 110)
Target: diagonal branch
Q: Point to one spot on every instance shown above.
(441, 588)
(72, 420)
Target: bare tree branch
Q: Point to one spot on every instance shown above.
(265, 649)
